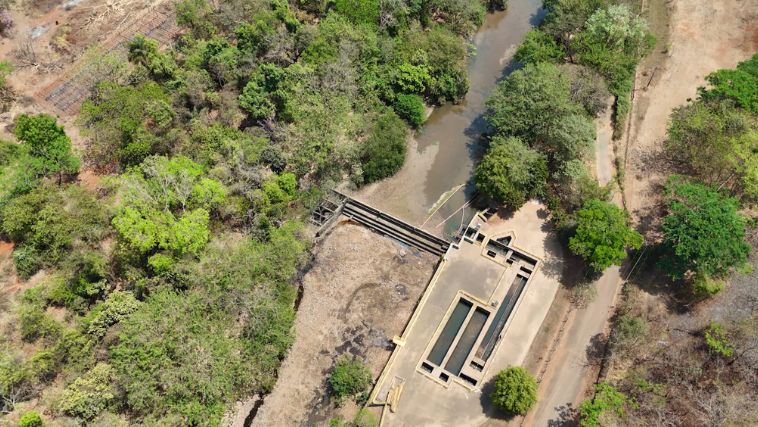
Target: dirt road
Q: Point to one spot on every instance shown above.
(576, 359)
(704, 36)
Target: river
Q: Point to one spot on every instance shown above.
(442, 154)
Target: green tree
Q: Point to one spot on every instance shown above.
(511, 173)
(30, 419)
(515, 390)
(126, 124)
(739, 85)
(613, 41)
(538, 47)
(607, 398)
(703, 233)
(603, 235)
(384, 151)
(530, 101)
(411, 108)
(349, 378)
(47, 143)
(717, 143)
(565, 18)
(89, 394)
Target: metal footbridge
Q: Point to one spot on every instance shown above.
(378, 221)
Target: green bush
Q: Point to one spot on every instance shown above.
(706, 286)
(118, 306)
(607, 398)
(515, 390)
(538, 47)
(359, 11)
(30, 419)
(411, 108)
(47, 143)
(717, 340)
(90, 394)
(384, 151)
(35, 323)
(739, 85)
(349, 378)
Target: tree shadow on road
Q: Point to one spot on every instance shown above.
(568, 416)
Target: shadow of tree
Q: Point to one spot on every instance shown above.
(595, 350)
(568, 416)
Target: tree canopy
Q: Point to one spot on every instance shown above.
(515, 390)
(511, 173)
(739, 85)
(603, 235)
(703, 232)
(48, 145)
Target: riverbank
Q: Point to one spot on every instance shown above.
(441, 155)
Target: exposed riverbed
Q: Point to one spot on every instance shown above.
(442, 154)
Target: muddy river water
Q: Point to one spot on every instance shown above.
(442, 154)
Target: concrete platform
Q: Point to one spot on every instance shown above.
(420, 400)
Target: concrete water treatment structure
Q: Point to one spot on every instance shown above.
(479, 314)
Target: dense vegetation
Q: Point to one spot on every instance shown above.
(166, 294)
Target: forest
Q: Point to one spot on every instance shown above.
(167, 292)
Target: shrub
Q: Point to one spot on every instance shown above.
(30, 419)
(349, 378)
(384, 151)
(411, 108)
(515, 390)
(717, 341)
(6, 23)
(607, 398)
(538, 47)
(89, 394)
(628, 330)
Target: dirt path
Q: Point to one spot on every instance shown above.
(604, 152)
(576, 358)
(357, 297)
(704, 36)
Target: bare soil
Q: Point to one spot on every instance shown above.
(702, 37)
(48, 43)
(358, 295)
